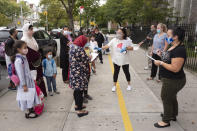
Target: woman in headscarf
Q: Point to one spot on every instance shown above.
(79, 72)
(34, 57)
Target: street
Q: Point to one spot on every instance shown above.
(135, 110)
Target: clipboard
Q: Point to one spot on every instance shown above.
(150, 57)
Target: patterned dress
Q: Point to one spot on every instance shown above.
(79, 68)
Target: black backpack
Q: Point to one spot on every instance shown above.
(9, 47)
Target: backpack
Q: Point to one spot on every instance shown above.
(12, 72)
(2, 49)
(45, 64)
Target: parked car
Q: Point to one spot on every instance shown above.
(55, 33)
(44, 40)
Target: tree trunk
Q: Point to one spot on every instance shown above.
(71, 21)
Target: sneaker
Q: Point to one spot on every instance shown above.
(51, 93)
(101, 62)
(129, 88)
(113, 88)
(56, 92)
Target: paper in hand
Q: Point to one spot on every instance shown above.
(94, 55)
(135, 47)
(150, 57)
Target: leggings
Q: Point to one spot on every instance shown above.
(78, 97)
(117, 70)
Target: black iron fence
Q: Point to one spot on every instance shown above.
(139, 33)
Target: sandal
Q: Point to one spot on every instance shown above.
(159, 126)
(29, 115)
(77, 109)
(83, 113)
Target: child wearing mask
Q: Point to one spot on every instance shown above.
(27, 97)
(50, 72)
(93, 45)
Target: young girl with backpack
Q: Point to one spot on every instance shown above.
(26, 91)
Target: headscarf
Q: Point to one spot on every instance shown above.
(31, 42)
(80, 41)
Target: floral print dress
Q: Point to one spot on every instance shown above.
(79, 68)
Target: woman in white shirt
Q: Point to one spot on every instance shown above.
(120, 55)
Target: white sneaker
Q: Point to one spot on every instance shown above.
(129, 88)
(113, 88)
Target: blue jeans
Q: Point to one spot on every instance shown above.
(51, 80)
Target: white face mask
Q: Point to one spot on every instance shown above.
(118, 36)
(50, 56)
(25, 51)
(66, 33)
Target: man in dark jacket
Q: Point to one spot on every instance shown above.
(64, 54)
(100, 40)
(149, 41)
(9, 51)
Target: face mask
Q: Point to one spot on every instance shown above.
(66, 33)
(50, 56)
(169, 40)
(25, 51)
(152, 30)
(118, 36)
(87, 45)
(158, 30)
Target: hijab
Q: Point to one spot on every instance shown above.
(31, 42)
(80, 41)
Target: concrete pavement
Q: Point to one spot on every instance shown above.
(142, 104)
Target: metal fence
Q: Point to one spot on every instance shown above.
(139, 33)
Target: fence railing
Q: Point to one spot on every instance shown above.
(139, 33)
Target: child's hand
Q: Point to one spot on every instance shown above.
(25, 88)
(54, 76)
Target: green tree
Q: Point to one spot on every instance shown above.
(55, 13)
(113, 11)
(90, 10)
(10, 9)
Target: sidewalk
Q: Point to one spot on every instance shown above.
(187, 99)
(142, 104)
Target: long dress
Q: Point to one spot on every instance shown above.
(64, 57)
(33, 56)
(29, 99)
(79, 68)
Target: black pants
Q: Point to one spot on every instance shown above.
(154, 67)
(117, 70)
(170, 88)
(65, 74)
(100, 55)
(78, 97)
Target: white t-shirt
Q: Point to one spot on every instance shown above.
(116, 46)
(93, 45)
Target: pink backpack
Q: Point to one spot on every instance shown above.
(39, 108)
(12, 72)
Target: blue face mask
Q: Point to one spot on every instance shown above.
(50, 56)
(158, 30)
(169, 40)
(87, 44)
